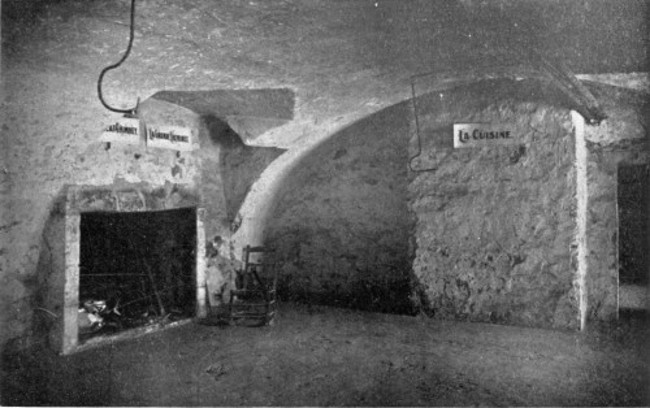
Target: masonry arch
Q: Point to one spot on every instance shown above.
(492, 232)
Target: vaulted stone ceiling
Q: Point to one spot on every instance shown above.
(338, 60)
(343, 59)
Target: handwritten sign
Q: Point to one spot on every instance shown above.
(123, 130)
(482, 134)
(169, 137)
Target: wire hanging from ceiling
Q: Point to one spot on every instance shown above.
(417, 128)
(117, 64)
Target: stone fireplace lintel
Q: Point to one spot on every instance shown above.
(65, 271)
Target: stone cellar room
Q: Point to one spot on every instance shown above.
(324, 203)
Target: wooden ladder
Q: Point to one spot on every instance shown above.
(254, 299)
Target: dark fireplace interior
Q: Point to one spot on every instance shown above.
(633, 224)
(136, 269)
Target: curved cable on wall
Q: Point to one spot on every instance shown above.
(417, 131)
(117, 64)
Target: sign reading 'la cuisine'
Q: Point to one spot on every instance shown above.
(482, 134)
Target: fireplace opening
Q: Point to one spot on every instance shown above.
(136, 269)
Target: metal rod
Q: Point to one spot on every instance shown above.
(155, 290)
(121, 274)
(113, 274)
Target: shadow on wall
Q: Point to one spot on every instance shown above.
(250, 112)
(239, 165)
(341, 227)
(48, 278)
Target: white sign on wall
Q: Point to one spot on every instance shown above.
(169, 137)
(123, 130)
(482, 134)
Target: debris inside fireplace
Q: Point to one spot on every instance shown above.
(97, 318)
(95, 315)
(137, 270)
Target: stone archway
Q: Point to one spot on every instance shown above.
(547, 278)
(341, 224)
(504, 269)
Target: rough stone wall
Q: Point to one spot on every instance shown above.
(42, 164)
(228, 169)
(342, 227)
(495, 225)
(50, 153)
(620, 140)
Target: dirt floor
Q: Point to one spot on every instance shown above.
(327, 356)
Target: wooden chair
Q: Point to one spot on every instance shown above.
(254, 299)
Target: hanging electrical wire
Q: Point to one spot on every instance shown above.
(117, 64)
(417, 129)
(415, 114)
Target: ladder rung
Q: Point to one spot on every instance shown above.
(251, 315)
(249, 291)
(250, 306)
(258, 249)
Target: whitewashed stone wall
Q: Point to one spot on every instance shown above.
(496, 225)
